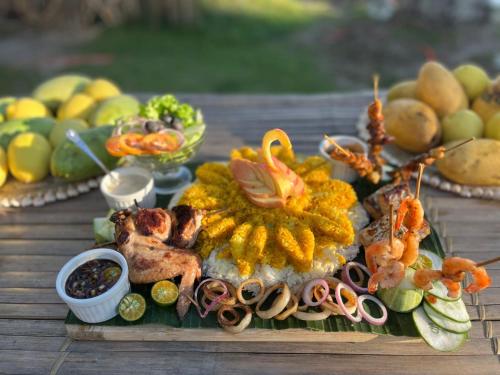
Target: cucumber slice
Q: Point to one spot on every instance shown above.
(454, 310)
(104, 230)
(440, 291)
(437, 261)
(436, 337)
(404, 297)
(445, 323)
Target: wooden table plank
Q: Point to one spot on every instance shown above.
(27, 362)
(240, 363)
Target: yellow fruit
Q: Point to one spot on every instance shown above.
(101, 89)
(26, 108)
(488, 103)
(4, 171)
(58, 133)
(57, 90)
(438, 87)
(413, 124)
(475, 163)
(492, 129)
(28, 157)
(78, 106)
(473, 79)
(405, 89)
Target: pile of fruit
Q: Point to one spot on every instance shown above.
(447, 107)
(32, 129)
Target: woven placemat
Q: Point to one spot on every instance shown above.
(396, 156)
(51, 189)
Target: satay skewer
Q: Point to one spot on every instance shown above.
(489, 261)
(391, 225)
(419, 180)
(460, 144)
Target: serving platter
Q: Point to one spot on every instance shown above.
(162, 323)
(397, 157)
(51, 189)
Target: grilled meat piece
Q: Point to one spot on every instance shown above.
(378, 203)
(187, 226)
(138, 236)
(379, 230)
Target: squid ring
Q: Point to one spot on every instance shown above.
(258, 296)
(290, 309)
(232, 327)
(278, 304)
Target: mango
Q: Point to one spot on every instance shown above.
(473, 79)
(109, 111)
(413, 124)
(101, 89)
(57, 90)
(438, 88)
(488, 103)
(58, 133)
(77, 106)
(9, 129)
(28, 157)
(26, 108)
(405, 89)
(475, 163)
(462, 125)
(72, 164)
(4, 171)
(492, 129)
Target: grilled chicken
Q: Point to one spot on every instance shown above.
(187, 226)
(378, 203)
(140, 237)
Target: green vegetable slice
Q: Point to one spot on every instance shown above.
(454, 310)
(445, 323)
(435, 336)
(404, 297)
(440, 291)
(132, 307)
(437, 261)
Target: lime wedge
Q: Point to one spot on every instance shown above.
(164, 293)
(132, 307)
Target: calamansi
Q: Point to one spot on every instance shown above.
(164, 293)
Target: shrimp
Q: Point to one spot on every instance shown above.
(387, 276)
(411, 213)
(455, 268)
(411, 247)
(380, 253)
(452, 273)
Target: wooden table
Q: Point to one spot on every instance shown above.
(36, 242)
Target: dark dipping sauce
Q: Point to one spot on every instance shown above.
(93, 278)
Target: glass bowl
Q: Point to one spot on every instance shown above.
(169, 173)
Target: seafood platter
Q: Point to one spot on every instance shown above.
(270, 246)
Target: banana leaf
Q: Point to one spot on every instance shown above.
(398, 324)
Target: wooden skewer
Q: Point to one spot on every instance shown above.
(460, 144)
(391, 223)
(376, 79)
(333, 142)
(486, 262)
(419, 180)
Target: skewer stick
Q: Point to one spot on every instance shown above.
(419, 180)
(486, 262)
(333, 142)
(460, 144)
(376, 79)
(391, 223)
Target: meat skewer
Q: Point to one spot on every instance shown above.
(376, 129)
(357, 161)
(405, 172)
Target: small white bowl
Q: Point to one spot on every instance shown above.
(103, 307)
(145, 197)
(340, 170)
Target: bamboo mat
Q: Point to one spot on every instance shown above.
(36, 242)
